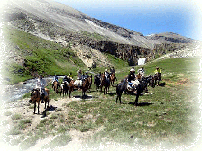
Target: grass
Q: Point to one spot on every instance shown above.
(168, 118)
(165, 119)
(60, 140)
(16, 116)
(39, 55)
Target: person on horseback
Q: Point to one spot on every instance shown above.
(158, 73)
(70, 76)
(40, 85)
(112, 70)
(131, 77)
(141, 71)
(65, 79)
(78, 82)
(55, 78)
(106, 73)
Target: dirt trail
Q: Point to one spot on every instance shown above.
(22, 107)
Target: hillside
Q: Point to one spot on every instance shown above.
(85, 35)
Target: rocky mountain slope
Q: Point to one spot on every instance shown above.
(63, 24)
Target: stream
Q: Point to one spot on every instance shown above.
(15, 92)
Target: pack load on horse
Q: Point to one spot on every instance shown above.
(40, 94)
(83, 83)
(132, 81)
(157, 76)
(79, 80)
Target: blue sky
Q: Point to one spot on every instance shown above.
(146, 16)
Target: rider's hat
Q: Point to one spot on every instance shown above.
(132, 70)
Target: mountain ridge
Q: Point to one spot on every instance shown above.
(60, 23)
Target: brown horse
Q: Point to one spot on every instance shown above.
(84, 87)
(112, 78)
(71, 87)
(105, 81)
(56, 86)
(89, 78)
(36, 98)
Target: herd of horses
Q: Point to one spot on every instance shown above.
(100, 81)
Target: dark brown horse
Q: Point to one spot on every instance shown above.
(112, 78)
(105, 82)
(36, 98)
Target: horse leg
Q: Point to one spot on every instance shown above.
(70, 92)
(137, 96)
(34, 107)
(45, 104)
(38, 107)
(120, 99)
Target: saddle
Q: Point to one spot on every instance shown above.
(133, 86)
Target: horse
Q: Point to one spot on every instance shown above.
(112, 78)
(71, 87)
(105, 81)
(89, 78)
(56, 86)
(36, 98)
(139, 88)
(65, 88)
(150, 80)
(84, 87)
(97, 81)
(120, 88)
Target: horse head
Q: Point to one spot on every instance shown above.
(34, 94)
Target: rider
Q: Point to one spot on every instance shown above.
(55, 78)
(112, 70)
(70, 76)
(131, 76)
(65, 79)
(158, 73)
(78, 82)
(40, 85)
(141, 71)
(106, 73)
